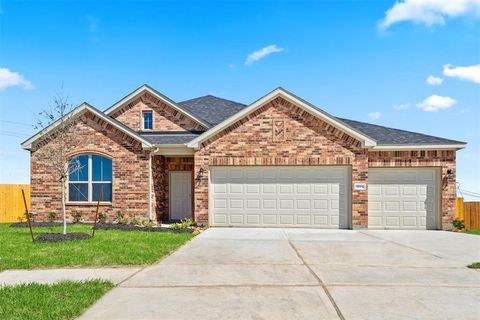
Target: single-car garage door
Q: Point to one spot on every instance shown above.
(403, 198)
(280, 196)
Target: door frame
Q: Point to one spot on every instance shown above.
(170, 192)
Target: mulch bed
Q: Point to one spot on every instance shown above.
(57, 237)
(127, 227)
(37, 224)
(103, 226)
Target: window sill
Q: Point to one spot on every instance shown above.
(73, 203)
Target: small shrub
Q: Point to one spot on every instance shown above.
(121, 219)
(135, 222)
(458, 224)
(77, 217)
(102, 217)
(51, 216)
(147, 223)
(475, 265)
(183, 224)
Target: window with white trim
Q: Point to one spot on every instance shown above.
(92, 180)
(147, 120)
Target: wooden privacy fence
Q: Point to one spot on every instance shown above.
(12, 208)
(468, 212)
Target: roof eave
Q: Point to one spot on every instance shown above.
(396, 147)
(155, 93)
(84, 107)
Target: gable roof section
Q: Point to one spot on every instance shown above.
(396, 139)
(280, 92)
(78, 111)
(212, 109)
(146, 88)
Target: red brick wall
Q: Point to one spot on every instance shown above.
(130, 166)
(280, 133)
(165, 118)
(426, 158)
(162, 166)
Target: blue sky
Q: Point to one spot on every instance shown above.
(354, 59)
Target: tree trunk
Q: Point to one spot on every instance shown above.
(64, 211)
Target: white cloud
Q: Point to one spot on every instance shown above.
(435, 103)
(429, 12)
(403, 106)
(262, 53)
(470, 73)
(434, 81)
(374, 115)
(12, 79)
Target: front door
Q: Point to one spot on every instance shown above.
(180, 195)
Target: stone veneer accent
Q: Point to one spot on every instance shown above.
(161, 167)
(165, 118)
(445, 159)
(306, 141)
(130, 166)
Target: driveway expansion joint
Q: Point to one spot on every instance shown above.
(321, 283)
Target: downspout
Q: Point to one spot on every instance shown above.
(150, 182)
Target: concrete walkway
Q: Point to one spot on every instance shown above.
(231, 273)
(49, 276)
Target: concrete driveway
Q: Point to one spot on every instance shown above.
(233, 273)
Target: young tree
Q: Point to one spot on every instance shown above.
(55, 143)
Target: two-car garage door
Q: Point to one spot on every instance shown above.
(286, 196)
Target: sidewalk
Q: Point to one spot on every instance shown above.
(49, 276)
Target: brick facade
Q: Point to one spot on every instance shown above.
(165, 118)
(444, 159)
(279, 133)
(304, 140)
(130, 168)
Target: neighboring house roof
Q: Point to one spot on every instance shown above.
(78, 111)
(170, 137)
(280, 92)
(386, 136)
(146, 88)
(212, 109)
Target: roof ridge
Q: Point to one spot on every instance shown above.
(211, 95)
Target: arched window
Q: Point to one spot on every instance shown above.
(90, 178)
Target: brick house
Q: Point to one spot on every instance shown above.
(278, 162)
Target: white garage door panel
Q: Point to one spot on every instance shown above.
(280, 196)
(403, 199)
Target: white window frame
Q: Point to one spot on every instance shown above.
(89, 182)
(143, 119)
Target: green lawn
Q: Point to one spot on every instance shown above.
(107, 248)
(473, 231)
(62, 300)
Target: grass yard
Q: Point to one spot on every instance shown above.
(62, 300)
(107, 248)
(477, 231)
